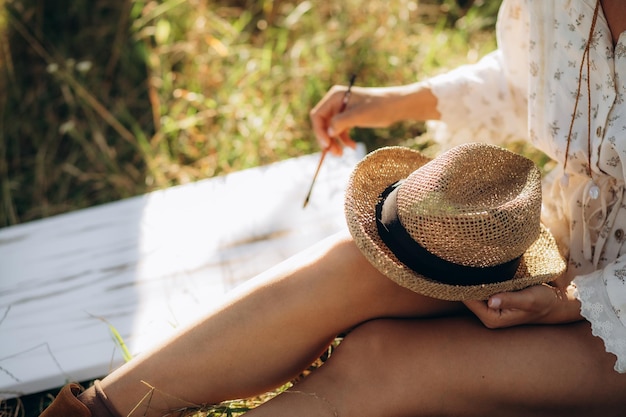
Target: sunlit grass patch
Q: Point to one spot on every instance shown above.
(106, 100)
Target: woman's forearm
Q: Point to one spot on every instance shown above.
(406, 102)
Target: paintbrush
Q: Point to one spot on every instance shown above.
(344, 104)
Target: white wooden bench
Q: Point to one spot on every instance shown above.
(148, 264)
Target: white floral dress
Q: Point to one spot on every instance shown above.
(527, 90)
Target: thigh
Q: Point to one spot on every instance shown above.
(457, 367)
(351, 290)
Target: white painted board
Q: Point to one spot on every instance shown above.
(148, 264)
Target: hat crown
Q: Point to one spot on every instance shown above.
(475, 205)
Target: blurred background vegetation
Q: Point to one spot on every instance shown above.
(107, 99)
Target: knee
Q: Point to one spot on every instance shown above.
(343, 248)
(368, 340)
(342, 259)
(364, 354)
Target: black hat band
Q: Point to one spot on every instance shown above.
(425, 263)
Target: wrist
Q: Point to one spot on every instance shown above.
(567, 305)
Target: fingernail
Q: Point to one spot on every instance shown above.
(495, 302)
(331, 132)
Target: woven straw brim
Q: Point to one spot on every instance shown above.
(541, 263)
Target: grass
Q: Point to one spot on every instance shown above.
(109, 99)
(104, 100)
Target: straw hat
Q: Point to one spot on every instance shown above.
(465, 225)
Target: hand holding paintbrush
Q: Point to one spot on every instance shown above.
(344, 104)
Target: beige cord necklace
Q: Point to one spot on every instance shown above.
(594, 190)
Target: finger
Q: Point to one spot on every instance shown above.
(339, 141)
(341, 136)
(320, 129)
(485, 314)
(322, 114)
(346, 140)
(335, 146)
(501, 319)
(519, 300)
(495, 318)
(477, 307)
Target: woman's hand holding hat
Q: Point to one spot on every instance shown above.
(539, 304)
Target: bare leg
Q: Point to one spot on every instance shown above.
(457, 367)
(267, 332)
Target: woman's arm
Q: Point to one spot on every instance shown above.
(484, 101)
(369, 107)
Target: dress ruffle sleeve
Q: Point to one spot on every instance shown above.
(487, 101)
(604, 306)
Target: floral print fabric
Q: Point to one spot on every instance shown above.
(527, 90)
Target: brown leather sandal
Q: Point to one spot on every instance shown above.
(66, 404)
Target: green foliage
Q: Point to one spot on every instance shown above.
(108, 99)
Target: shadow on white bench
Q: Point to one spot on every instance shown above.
(148, 264)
